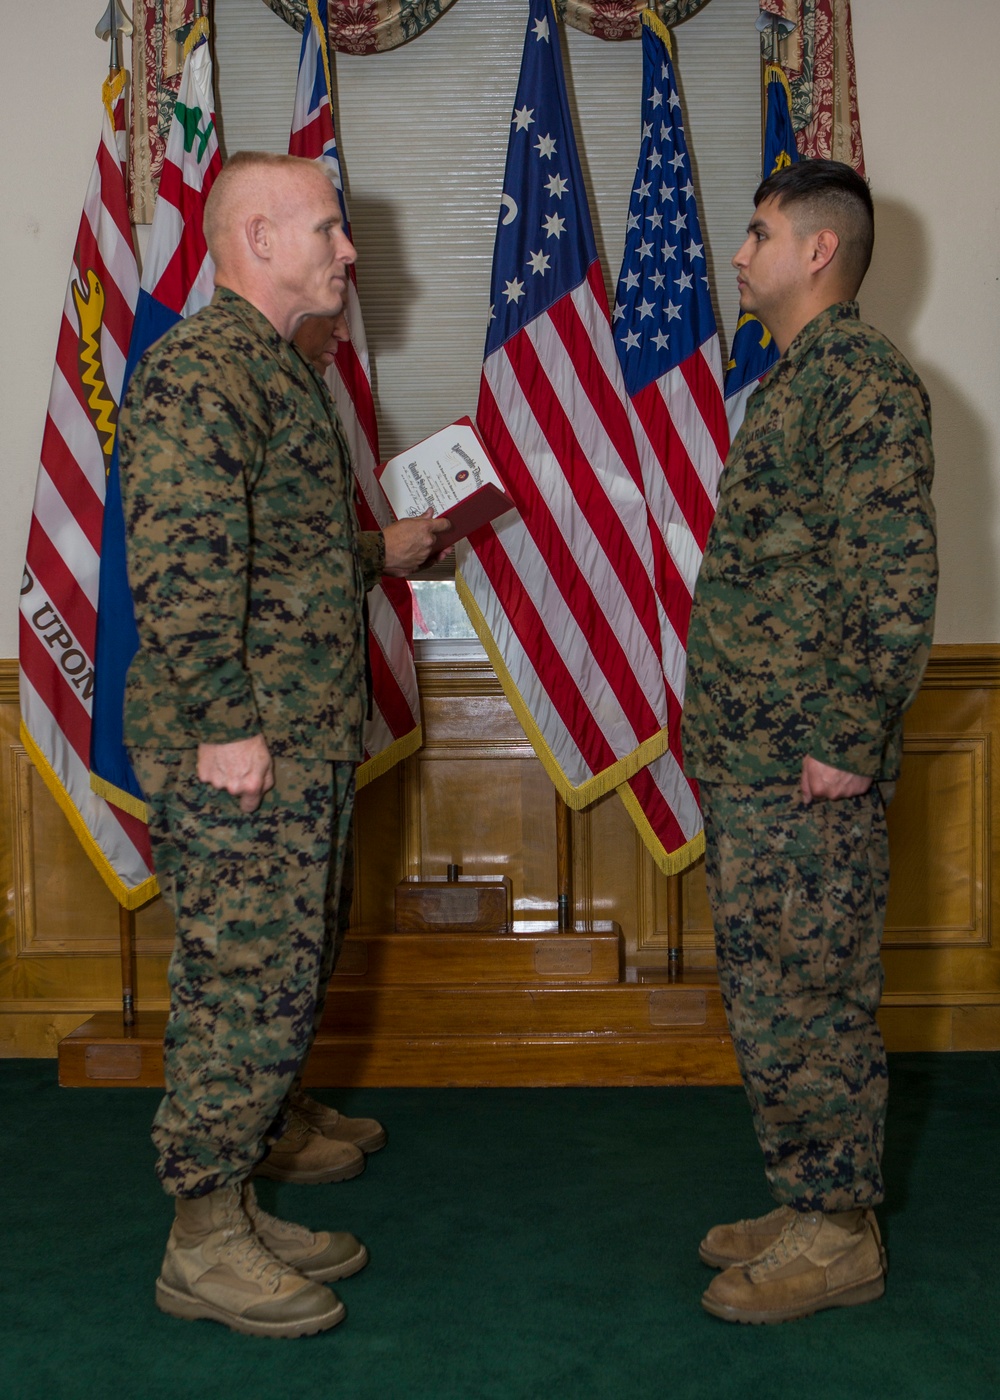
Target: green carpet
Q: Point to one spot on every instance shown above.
(525, 1243)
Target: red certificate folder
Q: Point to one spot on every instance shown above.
(451, 473)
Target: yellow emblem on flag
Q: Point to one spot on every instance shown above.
(90, 311)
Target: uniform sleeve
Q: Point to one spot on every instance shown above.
(885, 573)
(188, 444)
(371, 553)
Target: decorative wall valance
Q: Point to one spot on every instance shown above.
(372, 26)
(818, 58)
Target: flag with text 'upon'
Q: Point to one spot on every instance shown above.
(562, 591)
(668, 347)
(177, 279)
(59, 591)
(393, 731)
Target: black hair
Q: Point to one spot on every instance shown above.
(820, 193)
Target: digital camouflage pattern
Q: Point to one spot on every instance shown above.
(247, 570)
(812, 619)
(810, 631)
(257, 900)
(248, 576)
(798, 899)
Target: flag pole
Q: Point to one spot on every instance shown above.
(108, 26)
(113, 63)
(126, 937)
(779, 30)
(675, 929)
(564, 866)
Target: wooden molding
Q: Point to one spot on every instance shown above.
(960, 666)
(476, 794)
(8, 680)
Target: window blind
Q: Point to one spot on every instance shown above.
(423, 136)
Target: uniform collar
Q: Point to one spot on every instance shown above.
(811, 332)
(253, 319)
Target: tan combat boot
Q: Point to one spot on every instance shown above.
(321, 1255)
(818, 1261)
(304, 1156)
(726, 1245)
(215, 1267)
(366, 1133)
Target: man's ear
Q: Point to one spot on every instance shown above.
(259, 235)
(825, 245)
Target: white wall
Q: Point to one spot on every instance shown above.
(50, 114)
(931, 130)
(934, 286)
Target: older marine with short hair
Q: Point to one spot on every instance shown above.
(244, 712)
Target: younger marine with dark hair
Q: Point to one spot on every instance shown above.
(810, 631)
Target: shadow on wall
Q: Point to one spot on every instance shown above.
(965, 487)
(386, 285)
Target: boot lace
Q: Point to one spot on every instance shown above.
(260, 1219)
(243, 1251)
(787, 1246)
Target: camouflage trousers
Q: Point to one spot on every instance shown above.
(260, 907)
(798, 901)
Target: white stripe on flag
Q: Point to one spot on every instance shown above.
(612, 594)
(385, 624)
(533, 693)
(77, 431)
(98, 816)
(70, 543)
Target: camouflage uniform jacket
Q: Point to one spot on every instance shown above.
(247, 569)
(813, 613)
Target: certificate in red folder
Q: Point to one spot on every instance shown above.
(451, 473)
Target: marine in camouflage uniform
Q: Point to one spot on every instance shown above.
(248, 576)
(244, 710)
(810, 630)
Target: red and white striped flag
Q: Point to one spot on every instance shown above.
(59, 592)
(394, 730)
(563, 593)
(667, 344)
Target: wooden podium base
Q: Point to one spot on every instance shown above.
(534, 1007)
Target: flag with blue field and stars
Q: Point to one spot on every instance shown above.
(562, 590)
(665, 336)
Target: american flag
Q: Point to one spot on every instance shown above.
(667, 344)
(753, 351)
(177, 279)
(394, 730)
(562, 593)
(59, 591)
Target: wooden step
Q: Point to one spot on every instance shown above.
(589, 955)
(537, 1034)
(522, 1062)
(373, 1012)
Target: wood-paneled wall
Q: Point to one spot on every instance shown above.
(476, 795)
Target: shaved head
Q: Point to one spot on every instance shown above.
(253, 182)
(274, 228)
